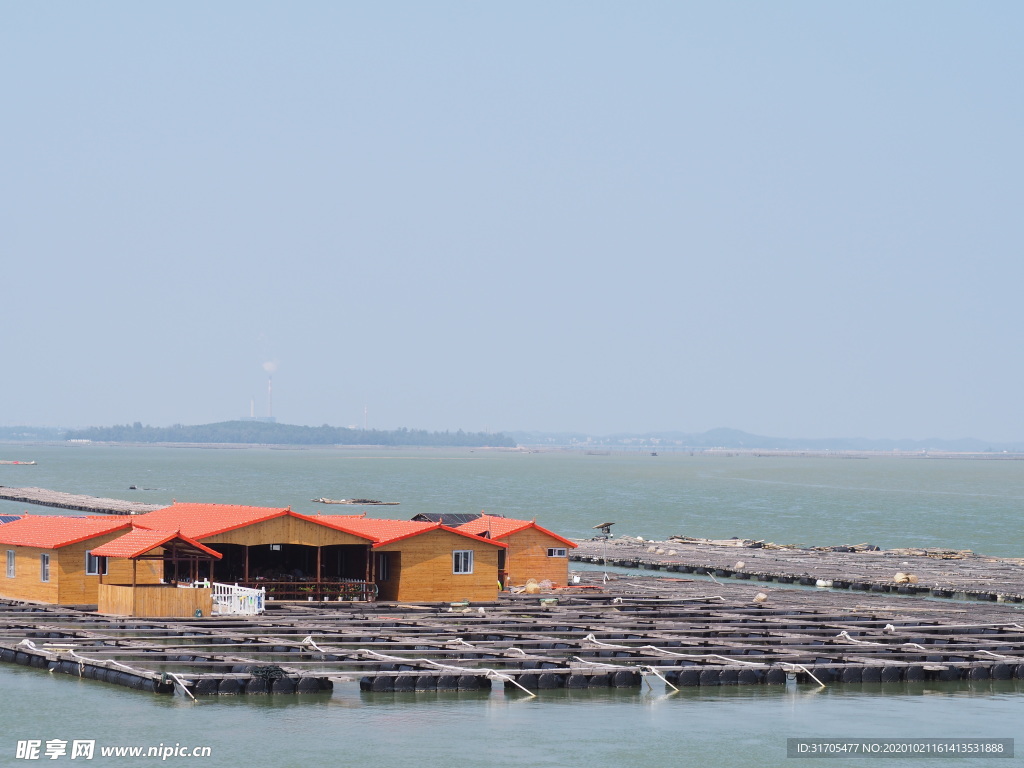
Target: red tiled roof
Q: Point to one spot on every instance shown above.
(198, 521)
(55, 531)
(139, 541)
(500, 527)
(383, 532)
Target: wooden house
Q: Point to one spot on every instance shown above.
(296, 556)
(132, 566)
(417, 561)
(49, 558)
(533, 552)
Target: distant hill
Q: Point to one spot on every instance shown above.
(738, 440)
(269, 433)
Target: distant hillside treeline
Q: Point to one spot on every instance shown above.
(286, 434)
(28, 434)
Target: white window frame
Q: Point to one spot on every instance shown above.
(44, 567)
(558, 552)
(462, 561)
(94, 563)
(11, 560)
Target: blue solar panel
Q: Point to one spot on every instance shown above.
(9, 518)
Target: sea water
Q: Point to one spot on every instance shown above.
(888, 501)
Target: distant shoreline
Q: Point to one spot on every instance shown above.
(596, 451)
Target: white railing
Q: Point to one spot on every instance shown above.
(236, 600)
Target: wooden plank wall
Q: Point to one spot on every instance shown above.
(284, 530)
(77, 587)
(68, 583)
(528, 558)
(154, 601)
(424, 571)
(26, 584)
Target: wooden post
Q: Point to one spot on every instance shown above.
(135, 592)
(245, 570)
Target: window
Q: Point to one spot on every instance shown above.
(383, 572)
(462, 561)
(44, 567)
(10, 563)
(557, 552)
(95, 565)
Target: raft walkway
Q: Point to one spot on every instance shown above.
(61, 500)
(959, 574)
(670, 632)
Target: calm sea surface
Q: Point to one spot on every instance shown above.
(891, 502)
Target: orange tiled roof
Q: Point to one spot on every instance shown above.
(198, 521)
(55, 531)
(500, 527)
(139, 541)
(383, 532)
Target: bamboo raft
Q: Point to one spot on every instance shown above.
(959, 574)
(673, 632)
(58, 499)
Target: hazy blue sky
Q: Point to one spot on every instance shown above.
(791, 218)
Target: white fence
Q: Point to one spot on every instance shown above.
(236, 600)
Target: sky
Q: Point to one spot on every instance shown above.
(797, 219)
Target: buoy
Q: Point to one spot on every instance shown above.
(760, 597)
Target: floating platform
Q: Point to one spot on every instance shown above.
(680, 632)
(357, 502)
(60, 500)
(959, 574)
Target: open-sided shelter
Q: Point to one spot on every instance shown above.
(175, 552)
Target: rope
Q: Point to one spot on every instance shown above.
(656, 673)
(590, 638)
(846, 636)
(729, 659)
(600, 664)
(786, 666)
(682, 599)
(998, 656)
(308, 640)
(491, 674)
(495, 675)
(181, 683)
